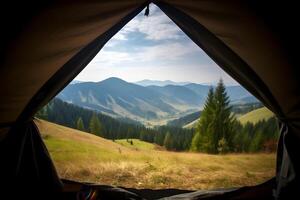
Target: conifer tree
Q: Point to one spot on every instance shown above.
(168, 141)
(79, 124)
(224, 119)
(196, 142)
(202, 138)
(215, 130)
(95, 125)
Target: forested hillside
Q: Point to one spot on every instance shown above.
(69, 115)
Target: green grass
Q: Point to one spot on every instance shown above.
(84, 157)
(137, 144)
(256, 115)
(192, 124)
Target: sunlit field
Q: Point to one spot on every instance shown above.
(85, 157)
(256, 115)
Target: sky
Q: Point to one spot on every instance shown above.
(153, 48)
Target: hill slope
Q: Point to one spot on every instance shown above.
(185, 120)
(84, 157)
(256, 115)
(192, 124)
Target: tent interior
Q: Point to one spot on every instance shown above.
(46, 45)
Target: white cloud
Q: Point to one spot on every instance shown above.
(158, 53)
(157, 26)
(111, 57)
(119, 36)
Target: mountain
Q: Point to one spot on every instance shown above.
(175, 94)
(147, 104)
(119, 98)
(236, 93)
(147, 82)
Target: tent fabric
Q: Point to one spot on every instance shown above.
(25, 160)
(46, 45)
(49, 39)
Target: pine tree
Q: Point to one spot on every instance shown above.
(201, 140)
(95, 125)
(257, 141)
(168, 141)
(224, 119)
(196, 142)
(79, 124)
(216, 127)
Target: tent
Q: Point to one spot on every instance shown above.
(45, 44)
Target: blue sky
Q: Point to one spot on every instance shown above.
(153, 48)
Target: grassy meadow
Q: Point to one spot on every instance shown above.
(85, 157)
(256, 115)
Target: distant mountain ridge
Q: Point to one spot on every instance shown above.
(147, 82)
(118, 98)
(75, 82)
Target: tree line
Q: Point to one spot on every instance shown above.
(70, 115)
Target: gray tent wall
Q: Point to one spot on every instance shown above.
(246, 38)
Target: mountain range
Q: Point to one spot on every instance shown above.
(151, 104)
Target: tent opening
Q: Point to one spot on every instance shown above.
(152, 110)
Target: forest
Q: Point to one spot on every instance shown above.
(217, 130)
(66, 114)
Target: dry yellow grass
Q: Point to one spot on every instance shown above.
(85, 157)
